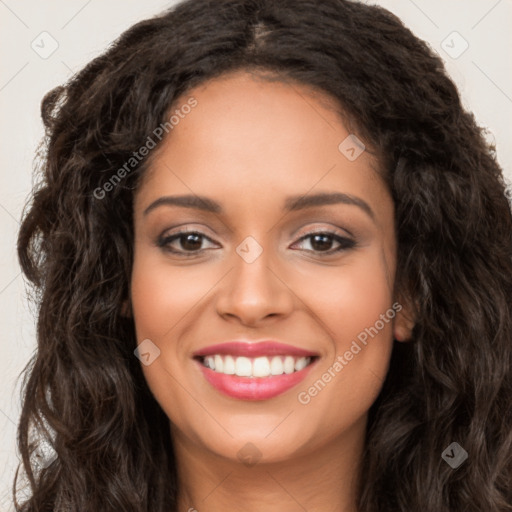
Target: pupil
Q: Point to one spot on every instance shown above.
(191, 241)
(323, 244)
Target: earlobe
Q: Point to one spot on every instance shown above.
(404, 325)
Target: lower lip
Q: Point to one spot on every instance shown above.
(254, 388)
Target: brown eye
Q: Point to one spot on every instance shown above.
(322, 242)
(183, 242)
(190, 241)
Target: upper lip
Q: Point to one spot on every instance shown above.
(253, 349)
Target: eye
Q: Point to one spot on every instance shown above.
(321, 242)
(190, 242)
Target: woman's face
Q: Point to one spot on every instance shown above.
(250, 274)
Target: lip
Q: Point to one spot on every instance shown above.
(254, 349)
(254, 388)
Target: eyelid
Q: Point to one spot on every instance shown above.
(322, 227)
(330, 230)
(185, 227)
(333, 230)
(345, 242)
(182, 230)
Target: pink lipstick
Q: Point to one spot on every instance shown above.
(254, 371)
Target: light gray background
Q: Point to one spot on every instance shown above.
(84, 28)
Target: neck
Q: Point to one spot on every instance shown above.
(321, 479)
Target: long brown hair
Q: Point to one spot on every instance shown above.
(84, 391)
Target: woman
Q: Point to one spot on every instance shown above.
(273, 258)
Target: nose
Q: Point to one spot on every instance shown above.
(254, 291)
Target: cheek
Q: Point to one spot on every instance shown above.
(162, 294)
(355, 306)
(350, 299)
(365, 296)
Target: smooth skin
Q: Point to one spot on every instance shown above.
(249, 144)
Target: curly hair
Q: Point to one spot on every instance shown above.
(84, 392)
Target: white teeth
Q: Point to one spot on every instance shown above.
(243, 367)
(301, 363)
(276, 366)
(261, 367)
(255, 367)
(229, 365)
(289, 364)
(209, 362)
(219, 364)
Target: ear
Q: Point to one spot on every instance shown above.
(126, 309)
(404, 322)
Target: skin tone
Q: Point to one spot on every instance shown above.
(249, 144)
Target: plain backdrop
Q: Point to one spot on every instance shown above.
(472, 37)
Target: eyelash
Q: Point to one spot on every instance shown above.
(345, 243)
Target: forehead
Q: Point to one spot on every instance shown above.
(265, 138)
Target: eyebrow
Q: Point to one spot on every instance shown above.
(292, 203)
